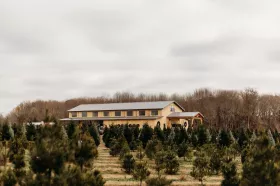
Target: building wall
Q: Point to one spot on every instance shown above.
(164, 120)
(165, 112)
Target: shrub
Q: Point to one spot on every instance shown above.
(146, 134)
(159, 181)
(9, 178)
(141, 172)
(229, 171)
(128, 163)
(200, 166)
(152, 147)
(171, 163)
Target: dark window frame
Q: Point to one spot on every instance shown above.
(129, 111)
(118, 113)
(141, 111)
(157, 112)
(74, 114)
(106, 113)
(84, 114)
(95, 114)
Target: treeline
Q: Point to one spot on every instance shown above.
(49, 155)
(222, 108)
(212, 152)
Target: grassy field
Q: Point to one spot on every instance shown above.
(114, 176)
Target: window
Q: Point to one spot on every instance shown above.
(74, 114)
(142, 113)
(106, 113)
(154, 112)
(84, 114)
(94, 114)
(118, 113)
(129, 113)
(172, 108)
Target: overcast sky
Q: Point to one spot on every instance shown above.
(64, 49)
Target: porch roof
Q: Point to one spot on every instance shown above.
(112, 118)
(185, 115)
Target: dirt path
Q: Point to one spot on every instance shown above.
(110, 168)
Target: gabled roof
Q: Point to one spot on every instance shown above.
(184, 114)
(124, 106)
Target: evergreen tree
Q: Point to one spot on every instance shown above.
(140, 152)
(215, 163)
(160, 162)
(270, 136)
(128, 163)
(128, 133)
(159, 133)
(171, 163)
(6, 134)
(94, 133)
(203, 135)
(184, 150)
(30, 132)
(262, 164)
(9, 178)
(253, 137)
(194, 139)
(86, 150)
(224, 139)
(171, 136)
(243, 139)
(229, 171)
(63, 134)
(200, 166)
(158, 181)
(153, 146)
(141, 172)
(117, 145)
(146, 134)
(71, 130)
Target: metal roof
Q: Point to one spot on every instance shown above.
(183, 114)
(124, 106)
(113, 118)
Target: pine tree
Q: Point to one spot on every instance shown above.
(95, 134)
(30, 132)
(200, 166)
(146, 134)
(194, 139)
(224, 139)
(184, 150)
(171, 163)
(158, 181)
(128, 133)
(159, 133)
(141, 172)
(160, 162)
(86, 151)
(9, 178)
(270, 136)
(262, 164)
(229, 171)
(203, 136)
(153, 146)
(128, 163)
(63, 134)
(253, 137)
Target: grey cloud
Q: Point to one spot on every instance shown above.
(58, 50)
(220, 46)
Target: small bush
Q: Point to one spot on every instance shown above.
(159, 181)
(128, 163)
